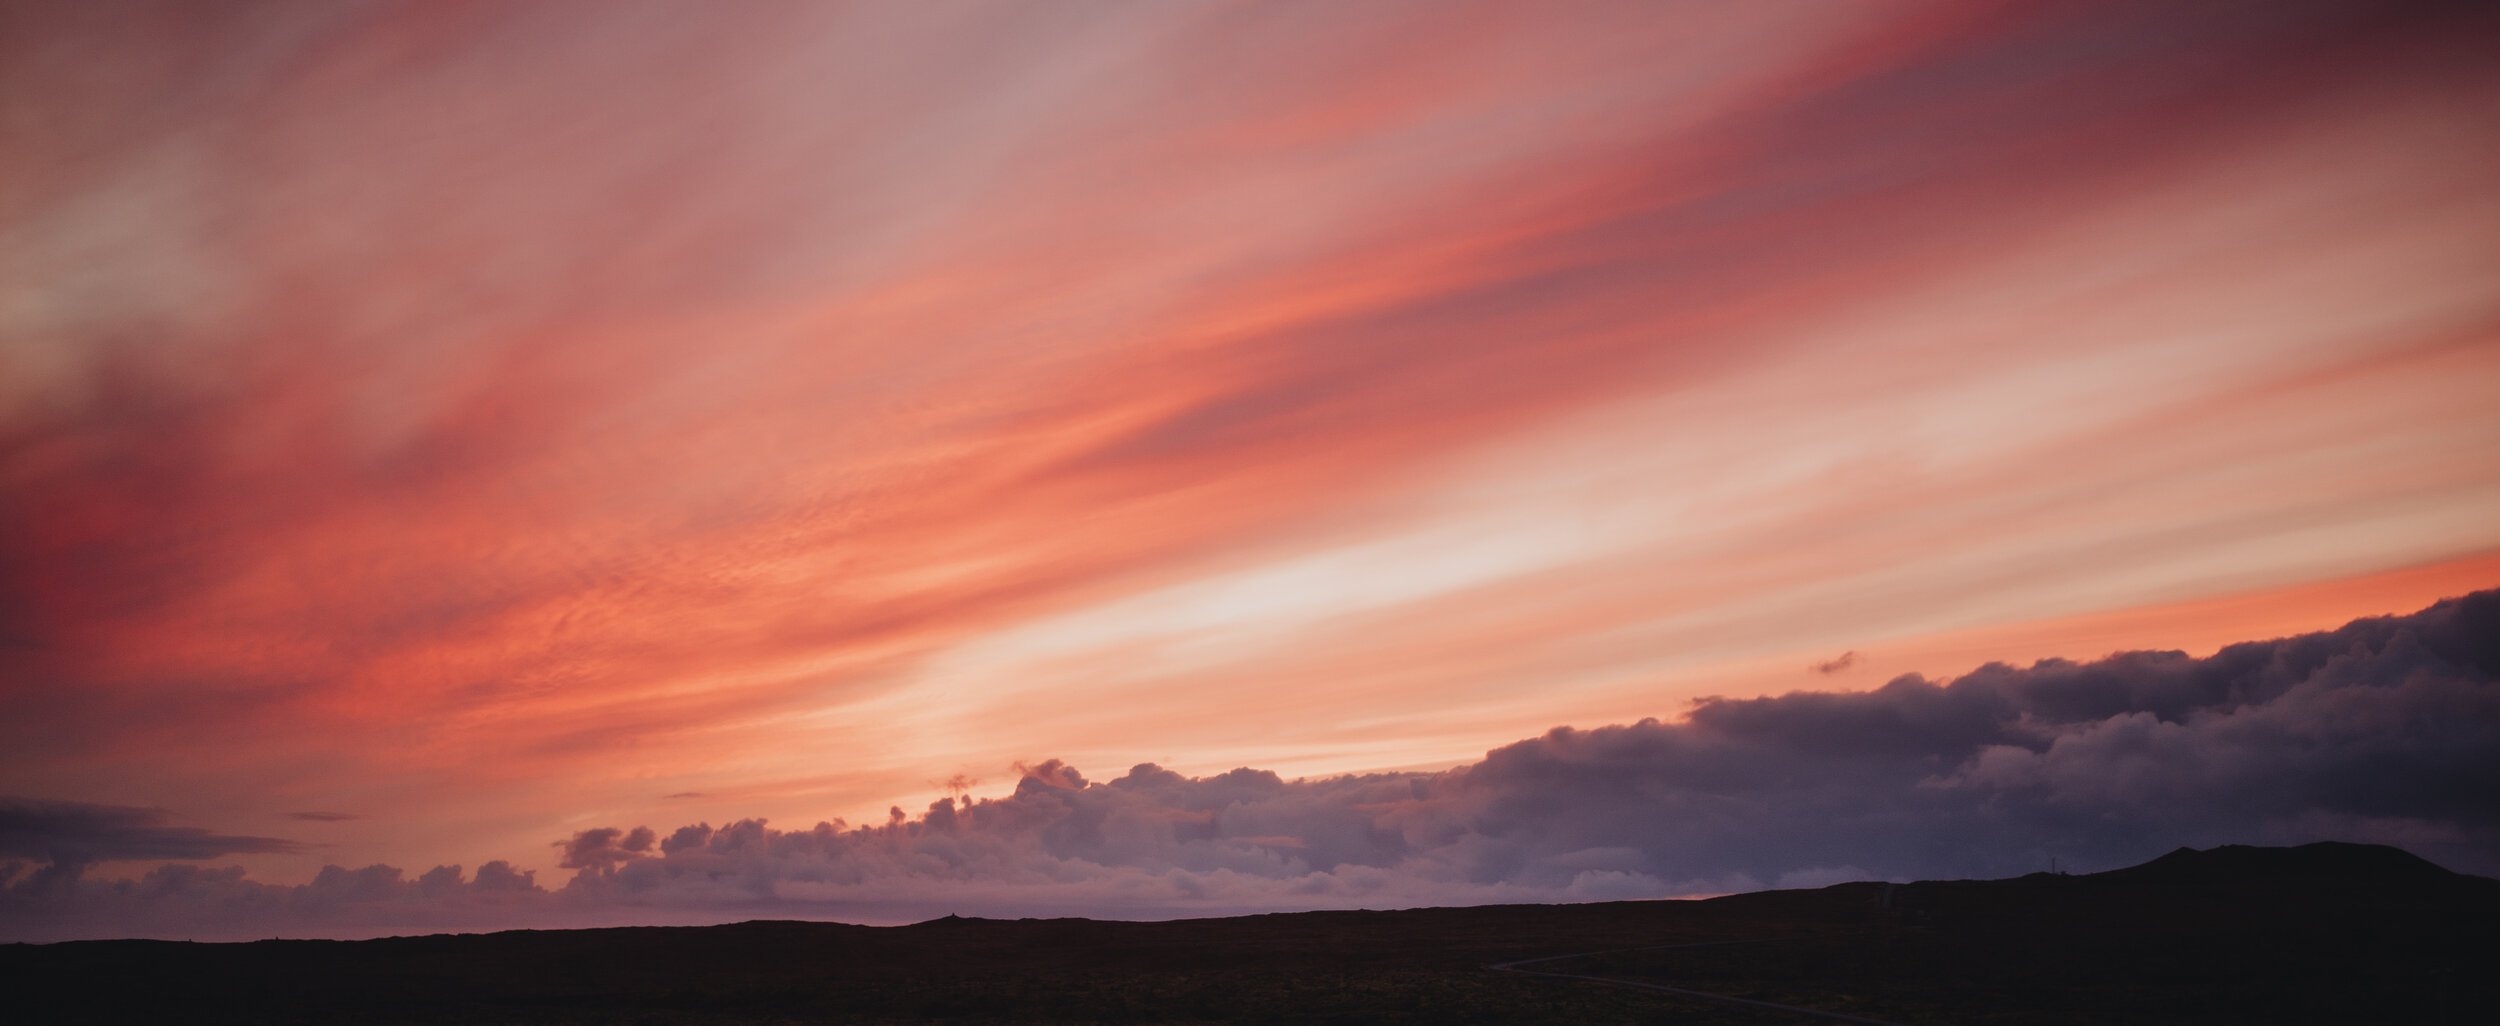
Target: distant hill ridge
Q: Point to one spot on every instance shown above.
(2324, 860)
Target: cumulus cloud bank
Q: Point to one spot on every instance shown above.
(2387, 730)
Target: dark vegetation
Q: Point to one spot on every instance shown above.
(2318, 934)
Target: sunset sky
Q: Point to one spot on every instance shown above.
(436, 433)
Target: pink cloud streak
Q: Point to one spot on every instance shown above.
(517, 416)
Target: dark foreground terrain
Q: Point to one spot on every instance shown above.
(2318, 934)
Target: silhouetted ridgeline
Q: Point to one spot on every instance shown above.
(2316, 934)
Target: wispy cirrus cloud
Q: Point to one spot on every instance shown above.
(1201, 385)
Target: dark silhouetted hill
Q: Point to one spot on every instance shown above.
(2324, 933)
(2324, 864)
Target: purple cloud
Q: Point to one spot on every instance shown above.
(78, 833)
(2387, 730)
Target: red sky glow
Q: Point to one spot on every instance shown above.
(475, 425)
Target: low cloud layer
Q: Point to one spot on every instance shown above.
(67, 836)
(2387, 730)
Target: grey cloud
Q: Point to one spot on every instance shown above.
(2387, 730)
(605, 847)
(322, 817)
(77, 833)
(1836, 664)
(182, 901)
